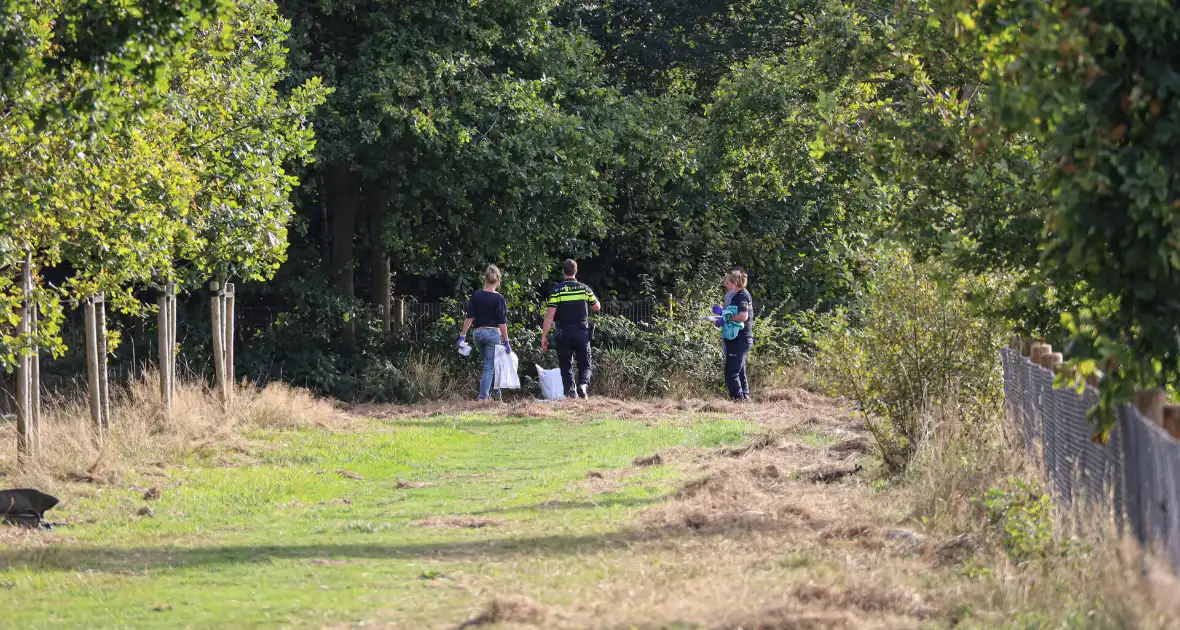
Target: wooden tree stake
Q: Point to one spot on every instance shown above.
(228, 313)
(172, 347)
(163, 320)
(92, 368)
(104, 382)
(35, 382)
(24, 396)
(218, 339)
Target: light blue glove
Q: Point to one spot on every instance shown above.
(462, 338)
(507, 346)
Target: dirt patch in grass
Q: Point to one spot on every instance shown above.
(405, 485)
(866, 599)
(509, 610)
(458, 522)
(756, 443)
(830, 474)
(791, 618)
(851, 445)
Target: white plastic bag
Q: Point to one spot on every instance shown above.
(464, 349)
(506, 376)
(551, 386)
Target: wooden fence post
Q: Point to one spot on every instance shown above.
(1150, 403)
(92, 368)
(401, 312)
(1039, 350)
(386, 311)
(1026, 344)
(1051, 360)
(1171, 419)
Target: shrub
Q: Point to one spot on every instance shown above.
(919, 344)
(1022, 514)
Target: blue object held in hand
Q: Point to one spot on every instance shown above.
(507, 346)
(461, 338)
(730, 329)
(717, 310)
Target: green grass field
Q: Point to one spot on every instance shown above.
(525, 516)
(397, 523)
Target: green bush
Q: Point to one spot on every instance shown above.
(918, 344)
(1023, 515)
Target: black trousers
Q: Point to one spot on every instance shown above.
(736, 351)
(574, 343)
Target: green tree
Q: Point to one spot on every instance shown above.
(457, 135)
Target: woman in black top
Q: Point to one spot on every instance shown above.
(488, 312)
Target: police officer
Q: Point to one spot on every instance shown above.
(570, 305)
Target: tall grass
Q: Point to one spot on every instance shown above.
(142, 432)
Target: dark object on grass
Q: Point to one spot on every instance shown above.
(653, 460)
(26, 507)
(828, 475)
(757, 443)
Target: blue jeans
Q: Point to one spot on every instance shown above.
(486, 341)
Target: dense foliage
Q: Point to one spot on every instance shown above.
(1022, 143)
(172, 167)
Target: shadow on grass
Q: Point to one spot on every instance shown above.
(91, 558)
(454, 422)
(558, 504)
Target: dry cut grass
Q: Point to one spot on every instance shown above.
(754, 541)
(142, 434)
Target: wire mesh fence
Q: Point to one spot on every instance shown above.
(1133, 479)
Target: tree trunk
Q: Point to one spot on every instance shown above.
(380, 267)
(342, 211)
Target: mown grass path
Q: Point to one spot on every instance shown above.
(398, 523)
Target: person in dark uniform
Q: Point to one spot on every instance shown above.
(569, 306)
(738, 348)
